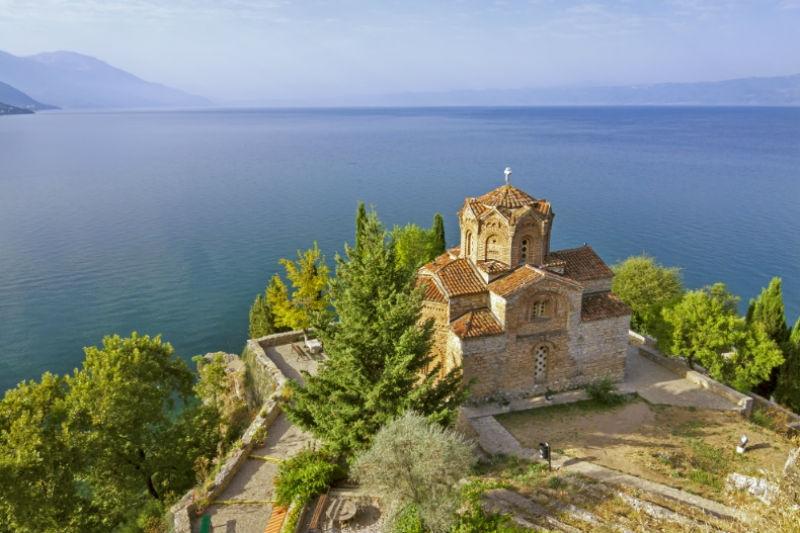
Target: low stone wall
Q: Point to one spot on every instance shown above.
(697, 375)
(263, 377)
(193, 502)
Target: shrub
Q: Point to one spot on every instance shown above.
(604, 392)
(473, 519)
(304, 476)
(413, 462)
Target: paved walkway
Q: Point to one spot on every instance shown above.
(252, 487)
(657, 384)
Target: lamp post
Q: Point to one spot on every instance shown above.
(544, 453)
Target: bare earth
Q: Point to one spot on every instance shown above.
(631, 438)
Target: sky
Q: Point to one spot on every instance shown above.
(271, 50)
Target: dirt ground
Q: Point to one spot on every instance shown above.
(691, 449)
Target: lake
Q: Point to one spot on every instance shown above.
(171, 222)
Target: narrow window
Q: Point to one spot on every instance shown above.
(468, 243)
(492, 249)
(540, 363)
(539, 309)
(523, 252)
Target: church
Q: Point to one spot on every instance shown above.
(520, 318)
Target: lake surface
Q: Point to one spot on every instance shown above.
(171, 222)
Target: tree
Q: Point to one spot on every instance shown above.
(309, 278)
(647, 288)
(379, 363)
(39, 468)
(262, 321)
(303, 476)
(361, 219)
(705, 328)
(787, 391)
(121, 404)
(767, 309)
(438, 244)
(413, 463)
(413, 247)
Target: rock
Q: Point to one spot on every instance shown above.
(756, 486)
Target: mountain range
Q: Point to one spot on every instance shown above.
(75, 81)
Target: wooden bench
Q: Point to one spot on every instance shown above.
(276, 519)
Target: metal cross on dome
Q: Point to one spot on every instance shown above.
(507, 174)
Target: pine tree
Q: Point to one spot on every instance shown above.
(379, 363)
(361, 217)
(439, 244)
(309, 278)
(768, 310)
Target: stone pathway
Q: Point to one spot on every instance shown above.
(659, 385)
(253, 484)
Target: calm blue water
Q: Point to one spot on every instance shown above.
(170, 222)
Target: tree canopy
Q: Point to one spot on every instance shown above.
(705, 328)
(412, 462)
(90, 450)
(647, 288)
(309, 278)
(379, 364)
(768, 310)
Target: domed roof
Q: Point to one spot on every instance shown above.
(507, 196)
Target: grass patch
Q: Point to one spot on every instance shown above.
(561, 410)
(698, 462)
(604, 392)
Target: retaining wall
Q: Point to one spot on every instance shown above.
(260, 365)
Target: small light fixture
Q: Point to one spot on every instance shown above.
(544, 453)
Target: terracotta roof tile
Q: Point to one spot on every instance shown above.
(493, 266)
(432, 292)
(459, 279)
(440, 262)
(581, 264)
(506, 196)
(598, 306)
(478, 323)
(517, 279)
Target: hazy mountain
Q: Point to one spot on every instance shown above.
(14, 97)
(6, 109)
(773, 91)
(72, 80)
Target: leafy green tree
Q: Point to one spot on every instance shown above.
(413, 463)
(413, 247)
(309, 278)
(647, 288)
(439, 244)
(303, 476)
(40, 490)
(379, 363)
(705, 328)
(121, 404)
(787, 391)
(769, 311)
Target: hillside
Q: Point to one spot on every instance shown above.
(6, 109)
(72, 80)
(14, 97)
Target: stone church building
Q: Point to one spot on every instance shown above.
(519, 317)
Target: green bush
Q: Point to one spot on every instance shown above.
(473, 519)
(604, 392)
(304, 476)
(408, 520)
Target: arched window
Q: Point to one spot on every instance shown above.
(523, 251)
(468, 244)
(540, 354)
(492, 250)
(539, 309)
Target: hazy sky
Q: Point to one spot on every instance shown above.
(238, 50)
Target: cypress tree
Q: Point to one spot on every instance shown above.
(438, 244)
(379, 363)
(768, 310)
(262, 322)
(361, 218)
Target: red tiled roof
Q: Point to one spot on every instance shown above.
(459, 279)
(598, 306)
(432, 292)
(478, 323)
(439, 263)
(510, 283)
(493, 266)
(581, 264)
(506, 196)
